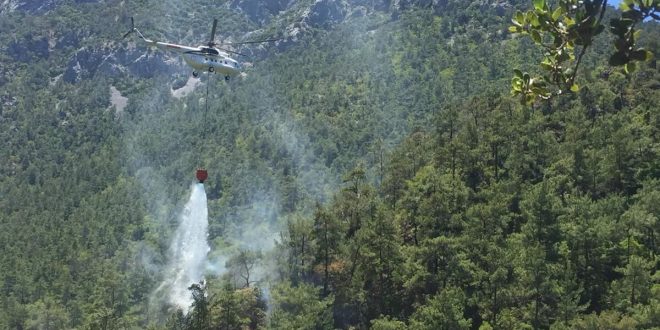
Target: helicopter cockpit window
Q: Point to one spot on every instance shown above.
(210, 50)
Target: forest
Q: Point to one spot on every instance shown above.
(378, 173)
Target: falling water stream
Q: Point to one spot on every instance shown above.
(188, 250)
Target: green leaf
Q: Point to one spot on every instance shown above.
(536, 36)
(619, 59)
(539, 4)
(538, 83)
(514, 29)
(518, 73)
(529, 99)
(620, 27)
(558, 41)
(556, 14)
(519, 18)
(516, 84)
(534, 20)
(575, 88)
(633, 15)
(541, 92)
(547, 65)
(621, 44)
(649, 55)
(630, 67)
(538, 90)
(568, 21)
(641, 55)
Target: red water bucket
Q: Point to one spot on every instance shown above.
(201, 175)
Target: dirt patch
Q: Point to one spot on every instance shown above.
(190, 86)
(117, 100)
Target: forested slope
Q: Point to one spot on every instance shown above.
(373, 172)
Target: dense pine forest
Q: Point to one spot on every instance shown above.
(370, 170)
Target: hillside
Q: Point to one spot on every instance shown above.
(368, 170)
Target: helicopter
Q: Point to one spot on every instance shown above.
(205, 58)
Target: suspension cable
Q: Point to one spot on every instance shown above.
(206, 111)
(206, 103)
(204, 129)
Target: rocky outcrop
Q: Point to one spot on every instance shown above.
(113, 62)
(325, 13)
(34, 7)
(259, 11)
(84, 62)
(372, 5)
(28, 48)
(32, 47)
(30, 6)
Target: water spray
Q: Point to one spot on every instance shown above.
(188, 250)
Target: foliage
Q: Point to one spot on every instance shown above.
(300, 308)
(559, 29)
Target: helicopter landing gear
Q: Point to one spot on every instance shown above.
(211, 69)
(195, 74)
(226, 78)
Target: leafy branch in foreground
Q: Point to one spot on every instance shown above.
(566, 31)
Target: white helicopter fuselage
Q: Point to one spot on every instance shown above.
(221, 63)
(202, 58)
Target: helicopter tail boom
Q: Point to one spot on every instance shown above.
(162, 45)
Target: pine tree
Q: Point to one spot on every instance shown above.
(327, 235)
(199, 317)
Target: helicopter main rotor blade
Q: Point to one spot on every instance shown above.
(232, 52)
(250, 42)
(215, 24)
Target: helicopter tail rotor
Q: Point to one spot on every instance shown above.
(131, 30)
(135, 30)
